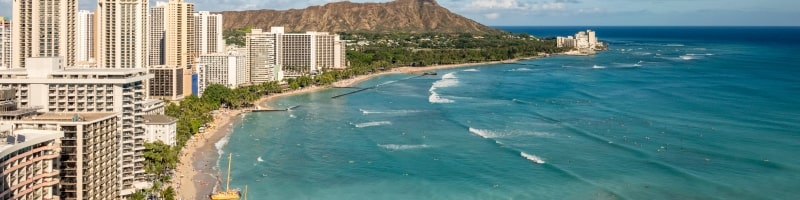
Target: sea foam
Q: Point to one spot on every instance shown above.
(369, 124)
(259, 159)
(221, 144)
(448, 80)
(472, 70)
(483, 133)
(396, 147)
(532, 157)
(368, 112)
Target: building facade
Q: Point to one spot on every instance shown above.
(43, 28)
(122, 37)
(161, 128)
(583, 40)
(179, 44)
(157, 33)
(85, 38)
(46, 85)
(208, 33)
(5, 43)
(167, 82)
(30, 163)
(296, 54)
(228, 69)
(263, 54)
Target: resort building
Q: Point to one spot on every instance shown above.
(297, 54)
(153, 107)
(161, 128)
(85, 39)
(5, 43)
(46, 85)
(228, 69)
(208, 33)
(43, 28)
(30, 163)
(167, 82)
(122, 37)
(584, 40)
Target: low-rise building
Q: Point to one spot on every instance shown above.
(161, 128)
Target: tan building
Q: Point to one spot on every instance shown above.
(226, 69)
(46, 85)
(167, 82)
(179, 40)
(263, 54)
(208, 33)
(122, 33)
(161, 128)
(85, 39)
(43, 28)
(5, 43)
(30, 163)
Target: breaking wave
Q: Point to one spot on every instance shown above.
(396, 147)
(369, 124)
(521, 70)
(532, 157)
(259, 159)
(448, 80)
(368, 112)
(489, 134)
(472, 70)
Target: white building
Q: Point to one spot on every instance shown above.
(297, 54)
(161, 128)
(43, 28)
(122, 37)
(228, 69)
(262, 54)
(208, 33)
(583, 40)
(45, 84)
(5, 43)
(85, 38)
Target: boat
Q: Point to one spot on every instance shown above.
(228, 194)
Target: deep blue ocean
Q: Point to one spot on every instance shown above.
(666, 113)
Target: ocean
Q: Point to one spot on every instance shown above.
(666, 113)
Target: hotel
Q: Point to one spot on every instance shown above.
(228, 69)
(85, 39)
(47, 86)
(297, 54)
(43, 28)
(122, 36)
(208, 33)
(584, 40)
(5, 43)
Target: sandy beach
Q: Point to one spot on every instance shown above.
(196, 174)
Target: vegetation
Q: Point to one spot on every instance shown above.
(236, 36)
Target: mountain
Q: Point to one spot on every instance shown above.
(414, 16)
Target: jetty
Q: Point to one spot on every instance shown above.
(271, 110)
(358, 89)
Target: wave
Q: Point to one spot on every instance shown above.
(674, 45)
(396, 147)
(221, 144)
(435, 98)
(483, 133)
(386, 83)
(259, 159)
(367, 112)
(369, 124)
(521, 70)
(699, 54)
(532, 157)
(598, 67)
(472, 70)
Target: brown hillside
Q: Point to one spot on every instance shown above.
(398, 16)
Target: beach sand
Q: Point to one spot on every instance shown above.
(196, 174)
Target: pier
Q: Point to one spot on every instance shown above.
(432, 73)
(271, 110)
(353, 92)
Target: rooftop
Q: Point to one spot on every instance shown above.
(159, 119)
(25, 138)
(70, 117)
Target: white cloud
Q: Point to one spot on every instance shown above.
(492, 15)
(514, 5)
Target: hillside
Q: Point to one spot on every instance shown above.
(414, 16)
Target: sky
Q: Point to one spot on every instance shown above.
(564, 12)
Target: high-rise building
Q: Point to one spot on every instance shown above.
(583, 40)
(263, 54)
(339, 54)
(228, 69)
(157, 20)
(85, 38)
(122, 37)
(298, 54)
(167, 82)
(5, 43)
(43, 28)
(179, 45)
(30, 160)
(47, 86)
(208, 33)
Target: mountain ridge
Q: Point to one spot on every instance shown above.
(415, 16)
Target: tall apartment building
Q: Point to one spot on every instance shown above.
(122, 37)
(157, 33)
(263, 54)
(339, 54)
(46, 85)
(583, 40)
(43, 28)
(30, 160)
(5, 43)
(228, 69)
(298, 54)
(167, 82)
(208, 33)
(85, 33)
(179, 43)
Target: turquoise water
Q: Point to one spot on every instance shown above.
(655, 117)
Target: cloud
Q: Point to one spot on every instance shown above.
(492, 15)
(516, 5)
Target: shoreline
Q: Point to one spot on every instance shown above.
(196, 171)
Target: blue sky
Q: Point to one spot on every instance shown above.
(565, 12)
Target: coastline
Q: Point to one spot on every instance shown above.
(196, 170)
